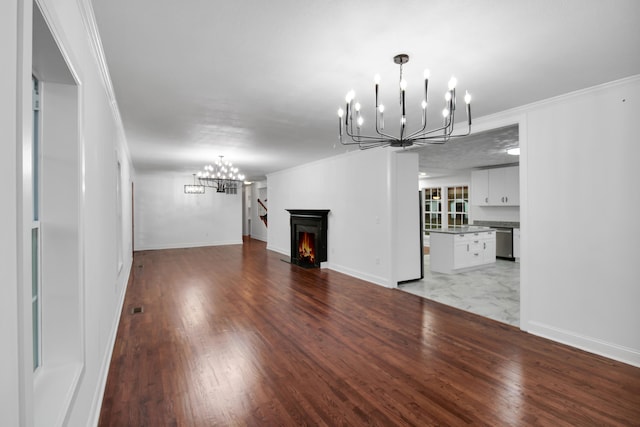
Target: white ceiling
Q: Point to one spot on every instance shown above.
(260, 81)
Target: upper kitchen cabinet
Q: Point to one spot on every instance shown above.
(496, 187)
(480, 187)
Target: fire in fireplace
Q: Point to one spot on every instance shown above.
(308, 236)
(307, 248)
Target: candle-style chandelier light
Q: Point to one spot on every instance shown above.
(222, 176)
(422, 136)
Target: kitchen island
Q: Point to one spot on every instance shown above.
(457, 249)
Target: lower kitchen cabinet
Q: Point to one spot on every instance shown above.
(456, 251)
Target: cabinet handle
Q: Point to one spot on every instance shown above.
(486, 200)
(506, 199)
(484, 245)
(467, 247)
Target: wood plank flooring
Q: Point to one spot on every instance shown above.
(231, 335)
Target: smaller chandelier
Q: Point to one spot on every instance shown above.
(193, 188)
(421, 136)
(222, 176)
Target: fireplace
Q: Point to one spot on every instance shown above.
(308, 236)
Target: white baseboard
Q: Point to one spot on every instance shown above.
(179, 245)
(592, 345)
(377, 280)
(96, 405)
(381, 281)
(279, 250)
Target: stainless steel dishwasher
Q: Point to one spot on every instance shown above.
(504, 243)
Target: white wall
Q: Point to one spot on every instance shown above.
(406, 232)
(101, 280)
(494, 213)
(165, 217)
(358, 188)
(579, 226)
(12, 399)
(456, 179)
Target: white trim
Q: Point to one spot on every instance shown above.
(517, 114)
(285, 252)
(376, 280)
(586, 343)
(179, 245)
(89, 21)
(63, 381)
(96, 403)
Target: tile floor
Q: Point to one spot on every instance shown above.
(492, 291)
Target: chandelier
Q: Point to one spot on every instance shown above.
(193, 188)
(222, 176)
(421, 136)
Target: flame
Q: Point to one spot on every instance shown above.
(306, 247)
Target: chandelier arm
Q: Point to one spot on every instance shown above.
(442, 138)
(382, 133)
(386, 136)
(361, 138)
(428, 134)
(424, 126)
(368, 147)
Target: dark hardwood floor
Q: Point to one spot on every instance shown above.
(231, 335)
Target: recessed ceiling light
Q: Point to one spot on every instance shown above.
(423, 175)
(514, 151)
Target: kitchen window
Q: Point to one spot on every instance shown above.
(432, 208)
(458, 203)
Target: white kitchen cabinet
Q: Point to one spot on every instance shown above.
(456, 251)
(511, 186)
(480, 188)
(496, 187)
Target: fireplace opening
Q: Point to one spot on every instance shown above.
(306, 248)
(308, 237)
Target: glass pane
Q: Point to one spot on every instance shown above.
(35, 244)
(36, 333)
(35, 302)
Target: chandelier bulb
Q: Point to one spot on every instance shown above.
(445, 113)
(427, 73)
(424, 104)
(447, 96)
(467, 97)
(340, 112)
(376, 79)
(358, 106)
(360, 121)
(381, 108)
(452, 83)
(350, 95)
(403, 84)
